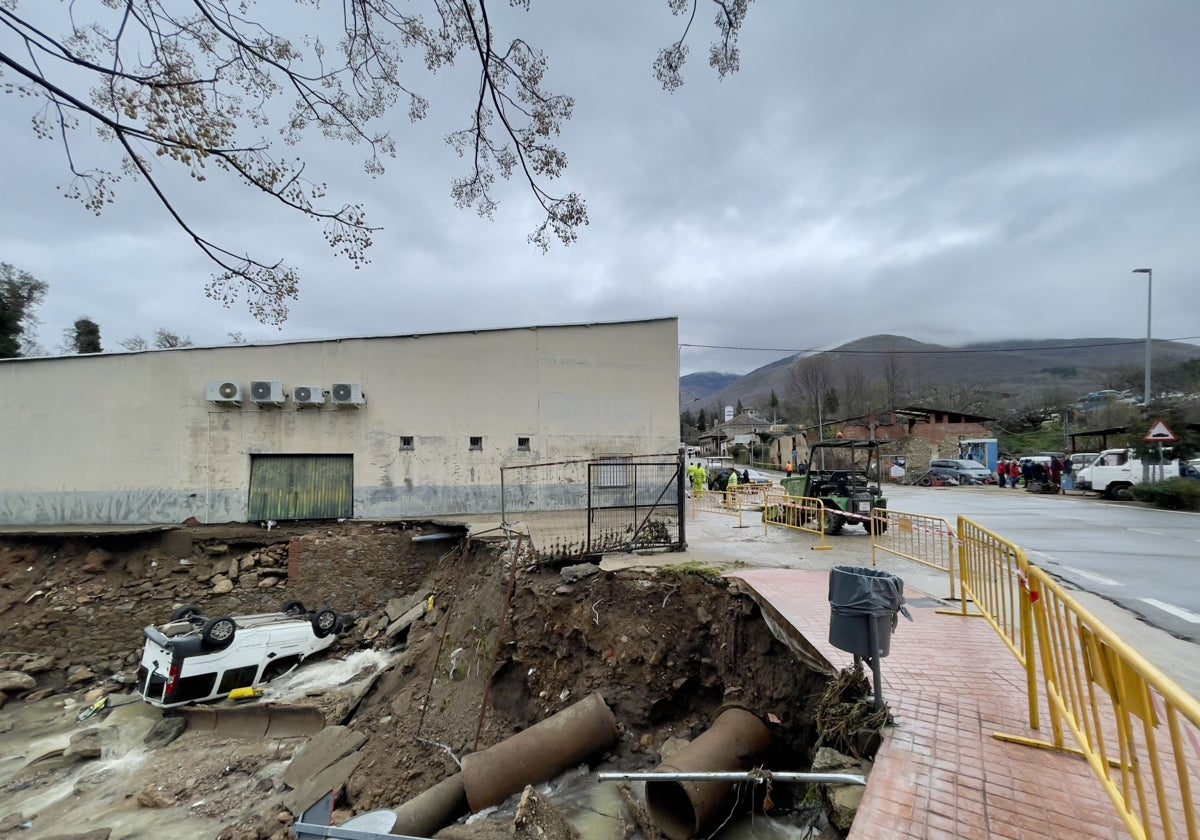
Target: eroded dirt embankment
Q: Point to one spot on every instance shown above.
(667, 648)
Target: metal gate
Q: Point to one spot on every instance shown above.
(607, 503)
(301, 487)
(634, 505)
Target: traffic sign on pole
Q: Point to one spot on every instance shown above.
(1160, 433)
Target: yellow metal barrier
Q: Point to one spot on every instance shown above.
(992, 571)
(929, 540)
(1139, 731)
(798, 512)
(729, 502)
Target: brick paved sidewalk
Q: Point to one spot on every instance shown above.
(951, 683)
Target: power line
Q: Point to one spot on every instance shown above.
(942, 351)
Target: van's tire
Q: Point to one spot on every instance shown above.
(324, 622)
(185, 612)
(293, 608)
(218, 632)
(925, 481)
(1122, 493)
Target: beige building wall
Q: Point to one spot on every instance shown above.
(132, 438)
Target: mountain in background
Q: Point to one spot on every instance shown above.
(1011, 370)
(699, 386)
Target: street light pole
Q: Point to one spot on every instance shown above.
(1146, 386)
(1149, 298)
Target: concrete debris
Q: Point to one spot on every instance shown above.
(538, 819)
(578, 572)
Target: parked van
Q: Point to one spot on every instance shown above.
(1116, 470)
(1079, 460)
(191, 658)
(963, 470)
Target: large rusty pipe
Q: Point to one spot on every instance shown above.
(538, 753)
(436, 808)
(737, 740)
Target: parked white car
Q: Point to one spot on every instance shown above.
(192, 658)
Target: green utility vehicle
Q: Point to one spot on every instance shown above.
(839, 473)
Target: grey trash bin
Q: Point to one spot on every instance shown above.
(858, 599)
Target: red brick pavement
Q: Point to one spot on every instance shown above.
(951, 683)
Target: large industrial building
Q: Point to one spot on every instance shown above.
(378, 427)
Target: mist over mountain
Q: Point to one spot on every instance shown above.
(1013, 369)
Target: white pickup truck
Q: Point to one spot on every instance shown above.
(1116, 470)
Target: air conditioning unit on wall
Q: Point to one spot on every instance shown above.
(225, 393)
(267, 392)
(308, 396)
(348, 394)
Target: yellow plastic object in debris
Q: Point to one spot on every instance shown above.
(429, 604)
(245, 694)
(94, 709)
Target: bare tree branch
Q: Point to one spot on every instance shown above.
(190, 82)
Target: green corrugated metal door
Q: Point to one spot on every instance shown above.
(301, 487)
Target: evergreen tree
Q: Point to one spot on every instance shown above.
(83, 336)
(20, 292)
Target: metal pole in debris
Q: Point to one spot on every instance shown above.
(737, 776)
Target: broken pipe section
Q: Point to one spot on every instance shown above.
(737, 740)
(490, 776)
(268, 720)
(539, 753)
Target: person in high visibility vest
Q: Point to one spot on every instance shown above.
(699, 480)
(691, 479)
(788, 469)
(731, 489)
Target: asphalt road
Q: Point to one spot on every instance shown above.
(1145, 560)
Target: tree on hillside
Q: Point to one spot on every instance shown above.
(811, 386)
(192, 84)
(895, 379)
(969, 398)
(854, 388)
(83, 336)
(701, 422)
(164, 339)
(20, 293)
(738, 408)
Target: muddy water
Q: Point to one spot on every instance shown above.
(56, 795)
(326, 675)
(596, 810)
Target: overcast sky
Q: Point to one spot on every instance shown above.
(947, 171)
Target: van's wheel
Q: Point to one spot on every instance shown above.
(185, 613)
(324, 622)
(1122, 494)
(925, 481)
(218, 632)
(293, 608)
